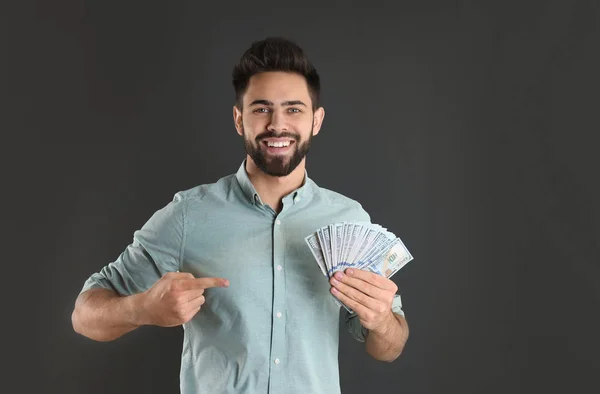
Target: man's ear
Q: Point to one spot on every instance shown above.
(237, 120)
(318, 120)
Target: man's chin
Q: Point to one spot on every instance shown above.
(279, 169)
(277, 165)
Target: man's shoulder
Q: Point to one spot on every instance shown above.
(340, 205)
(333, 197)
(221, 187)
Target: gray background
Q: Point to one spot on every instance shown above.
(468, 128)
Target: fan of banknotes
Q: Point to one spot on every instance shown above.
(361, 245)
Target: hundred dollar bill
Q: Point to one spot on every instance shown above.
(378, 250)
(354, 240)
(339, 236)
(349, 239)
(366, 245)
(332, 243)
(327, 248)
(324, 247)
(394, 259)
(314, 246)
(359, 244)
(344, 238)
(377, 243)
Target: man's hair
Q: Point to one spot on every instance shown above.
(275, 54)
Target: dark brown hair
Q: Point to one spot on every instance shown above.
(275, 54)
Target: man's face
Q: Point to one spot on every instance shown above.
(277, 121)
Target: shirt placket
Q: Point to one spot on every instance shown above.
(278, 348)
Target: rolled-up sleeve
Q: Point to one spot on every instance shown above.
(357, 330)
(156, 250)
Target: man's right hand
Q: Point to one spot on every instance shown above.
(175, 298)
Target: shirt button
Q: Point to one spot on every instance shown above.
(277, 361)
(297, 199)
(278, 314)
(278, 222)
(279, 268)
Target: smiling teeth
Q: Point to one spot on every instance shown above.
(278, 144)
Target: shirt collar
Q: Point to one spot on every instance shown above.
(252, 195)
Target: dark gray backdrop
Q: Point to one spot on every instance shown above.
(468, 129)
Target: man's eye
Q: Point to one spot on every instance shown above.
(261, 110)
(294, 110)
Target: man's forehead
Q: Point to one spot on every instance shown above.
(279, 86)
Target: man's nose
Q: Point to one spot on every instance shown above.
(278, 122)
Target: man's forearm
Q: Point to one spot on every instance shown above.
(387, 343)
(103, 315)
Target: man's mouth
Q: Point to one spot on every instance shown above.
(277, 145)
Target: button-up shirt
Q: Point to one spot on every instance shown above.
(275, 328)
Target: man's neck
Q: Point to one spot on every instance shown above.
(272, 189)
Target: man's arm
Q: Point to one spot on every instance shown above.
(371, 296)
(102, 315)
(387, 343)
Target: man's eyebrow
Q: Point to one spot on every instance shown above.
(284, 103)
(261, 102)
(292, 102)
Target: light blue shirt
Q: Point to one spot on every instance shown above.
(275, 328)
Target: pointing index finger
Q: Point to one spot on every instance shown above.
(205, 283)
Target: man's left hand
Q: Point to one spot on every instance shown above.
(366, 293)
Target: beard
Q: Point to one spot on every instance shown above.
(277, 165)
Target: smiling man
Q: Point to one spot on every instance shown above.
(228, 261)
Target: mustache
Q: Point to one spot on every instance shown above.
(272, 134)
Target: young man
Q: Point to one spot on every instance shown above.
(228, 260)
